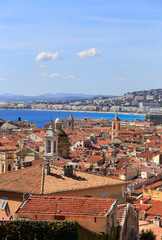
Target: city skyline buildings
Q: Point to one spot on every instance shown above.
(89, 47)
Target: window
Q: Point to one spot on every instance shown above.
(48, 146)
(54, 146)
(4, 203)
(103, 195)
(95, 219)
(9, 167)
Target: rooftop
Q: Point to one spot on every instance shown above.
(32, 180)
(62, 205)
(146, 225)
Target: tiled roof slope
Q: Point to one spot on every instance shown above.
(156, 209)
(146, 225)
(27, 180)
(63, 205)
(154, 185)
(58, 183)
(32, 180)
(120, 213)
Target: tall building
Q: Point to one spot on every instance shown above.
(56, 142)
(154, 117)
(116, 126)
(51, 144)
(70, 123)
(63, 140)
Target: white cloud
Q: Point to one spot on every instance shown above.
(2, 79)
(70, 77)
(92, 52)
(51, 75)
(47, 56)
(120, 79)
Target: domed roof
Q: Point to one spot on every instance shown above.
(57, 120)
(60, 132)
(63, 137)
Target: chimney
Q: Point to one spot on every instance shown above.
(46, 168)
(143, 215)
(141, 201)
(67, 170)
(157, 221)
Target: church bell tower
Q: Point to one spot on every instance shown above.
(115, 133)
(51, 144)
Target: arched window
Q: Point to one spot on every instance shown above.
(54, 149)
(114, 126)
(48, 146)
(9, 167)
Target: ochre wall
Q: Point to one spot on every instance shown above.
(114, 191)
(154, 194)
(86, 221)
(14, 201)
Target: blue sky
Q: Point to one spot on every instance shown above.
(80, 46)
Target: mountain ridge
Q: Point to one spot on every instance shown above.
(48, 97)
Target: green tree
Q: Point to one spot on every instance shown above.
(147, 235)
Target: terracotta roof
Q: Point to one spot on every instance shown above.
(154, 185)
(120, 212)
(146, 225)
(94, 159)
(63, 205)
(126, 131)
(123, 171)
(40, 134)
(58, 183)
(143, 207)
(7, 148)
(30, 180)
(24, 180)
(147, 154)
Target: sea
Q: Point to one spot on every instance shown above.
(41, 117)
